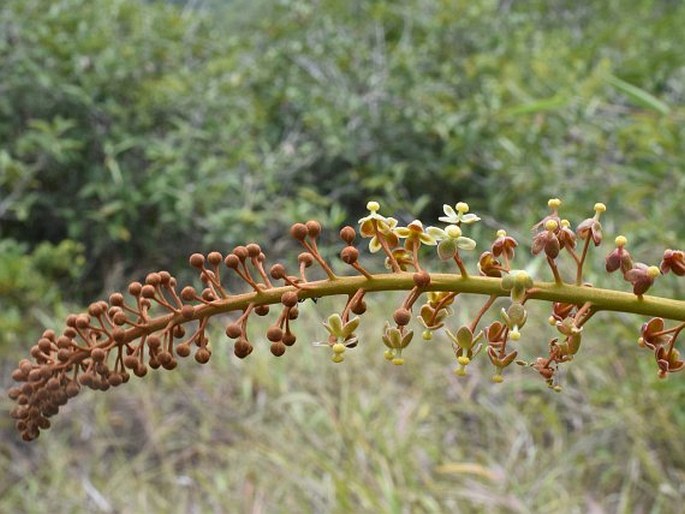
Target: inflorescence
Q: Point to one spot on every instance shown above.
(157, 322)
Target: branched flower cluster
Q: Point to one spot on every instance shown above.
(158, 322)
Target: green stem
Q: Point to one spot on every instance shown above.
(601, 299)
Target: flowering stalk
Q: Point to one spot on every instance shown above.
(160, 323)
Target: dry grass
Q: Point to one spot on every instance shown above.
(300, 434)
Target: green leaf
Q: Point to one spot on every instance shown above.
(638, 96)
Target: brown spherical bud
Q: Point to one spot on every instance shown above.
(131, 361)
(402, 316)
(95, 309)
(253, 250)
(183, 350)
(164, 358)
(49, 334)
(197, 260)
(119, 318)
(72, 389)
(45, 345)
(289, 339)
(306, 259)
(165, 277)
(347, 234)
(148, 291)
(349, 255)
(234, 331)
(289, 299)
(25, 366)
(299, 231)
(241, 252)
(202, 355)
(141, 370)
(242, 348)
(19, 376)
(63, 355)
(231, 261)
(71, 320)
(116, 299)
(82, 321)
(35, 375)
(278, 348)
(114, 379)
(187, 311)
(277, 271)
(188, 293)
(134, 288)
(98, 354)
(154, 342)
(208, 295)
(274, 334)
(261, 310)
(422, 279)
(215, 258)
(153, 279)
(293, 313)
(63, 342)
(313, 228)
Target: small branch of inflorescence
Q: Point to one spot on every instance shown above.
(159, 323)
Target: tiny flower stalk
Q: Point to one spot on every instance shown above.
(158, 323)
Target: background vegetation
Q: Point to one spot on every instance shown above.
(132, 133)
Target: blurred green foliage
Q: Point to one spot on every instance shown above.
(145, 130)
(33, 287)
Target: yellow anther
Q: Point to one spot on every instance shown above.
(463, 360)
(653, 271)
(553, 203)
(462, 207)
(565, 223)
(600, 207)
(621, 241)
(551, 225)
(373, 206)
(501, 233)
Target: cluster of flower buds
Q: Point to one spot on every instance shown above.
(159, 323)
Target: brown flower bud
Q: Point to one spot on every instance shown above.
(98, 354)
(277, 271)
(299, 231)
(183, 350)
(202, 355)
(347, 234)
(134, 288)
(214, 258)
(422, 279)
(349, 255)
(234, 331)
(402, 316)
(231, 261)
(116, 299)
(261, 310)
(253, 250)
(289, 339)
(313, 228)
(278, 348)
(197, 260)
(147, 291)
(242, 348)
(289, 299)
(153, 279)
(359, 307)
(188, 311)
(305, 258)
(274, 334)
(241, 252)
(188, 293)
